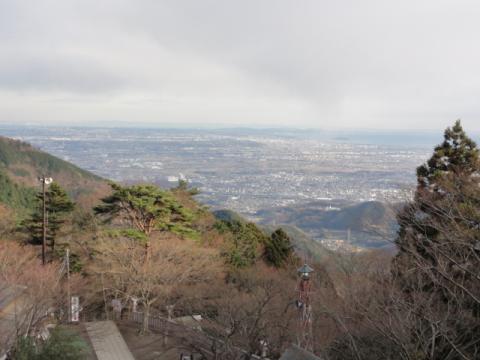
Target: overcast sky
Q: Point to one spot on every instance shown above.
(327, 64)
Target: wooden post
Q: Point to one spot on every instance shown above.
(44, 238)
(69, 297)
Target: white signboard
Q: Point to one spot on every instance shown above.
(117, 305)
(75, 303)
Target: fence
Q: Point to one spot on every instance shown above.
(154, 322)
(207, 347)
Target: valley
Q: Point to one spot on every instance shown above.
(291, 177)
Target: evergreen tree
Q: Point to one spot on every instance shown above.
(457, 156)
(279, 248)
(62, 344)
(446, 205)
(184, 186)
(146, 208)
(244, 242)
(58, 207)
(438, 242)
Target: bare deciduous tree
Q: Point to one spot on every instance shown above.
(172, 263)
(30, 292)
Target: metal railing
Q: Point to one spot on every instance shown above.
(202, 342)
(154, 322)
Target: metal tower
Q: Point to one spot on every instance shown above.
(304, 306)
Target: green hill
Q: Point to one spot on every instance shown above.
(360, 217)
(317, 215)
(304, 245)
(16, 196)
(229, 216)
(365, 224)
(21, 165)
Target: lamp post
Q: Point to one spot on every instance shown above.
(45, 181)
(304, 335)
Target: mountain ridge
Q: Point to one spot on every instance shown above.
(364, 224)
(21, 164)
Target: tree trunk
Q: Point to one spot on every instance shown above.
(146, 315)
(147, 251)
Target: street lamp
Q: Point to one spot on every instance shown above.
(45, 181)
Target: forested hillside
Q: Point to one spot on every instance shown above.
(21, 165)
(158, 245)
(14, 195)
(143, 255)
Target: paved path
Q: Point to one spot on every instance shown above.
(107, 341)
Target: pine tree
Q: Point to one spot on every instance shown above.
(438, 242)
(457, 156)
(58, 206)
(447, 183)
(445, 212)
(279, 248)
(244, 241)
(146, 208)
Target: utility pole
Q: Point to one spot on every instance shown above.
(45, 181)
(44, 228)
(69, 305)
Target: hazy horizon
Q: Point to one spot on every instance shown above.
(226, 126)
(426, 138)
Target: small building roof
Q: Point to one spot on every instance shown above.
(296, 353)
(305, 269)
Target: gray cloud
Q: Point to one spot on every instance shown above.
(68, 74)
(312, 63)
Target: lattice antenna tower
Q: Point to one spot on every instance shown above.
(304, 307)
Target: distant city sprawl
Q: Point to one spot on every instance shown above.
(243, 170)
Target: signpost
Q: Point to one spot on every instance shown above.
(75, 308)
